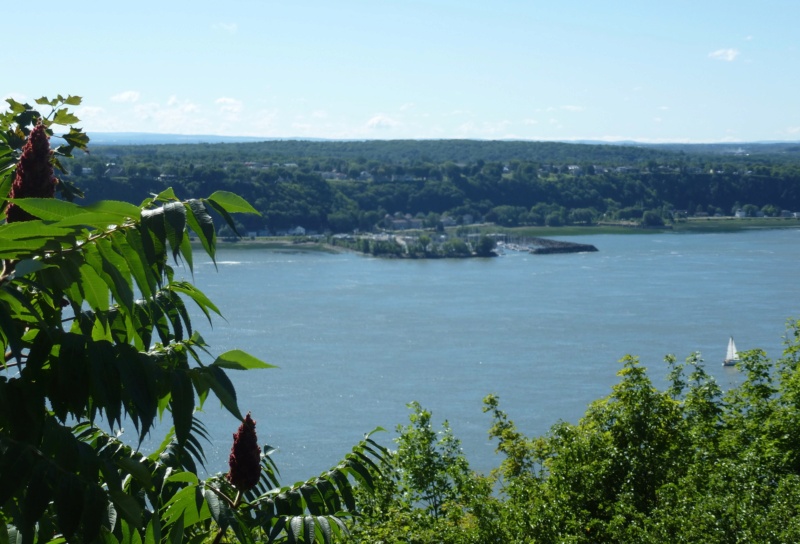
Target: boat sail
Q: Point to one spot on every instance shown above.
(732, 357)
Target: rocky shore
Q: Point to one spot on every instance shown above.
(544, 246)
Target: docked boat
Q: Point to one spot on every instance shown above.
(732, 356)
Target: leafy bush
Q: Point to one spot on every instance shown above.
(95, 330)
(690, 463)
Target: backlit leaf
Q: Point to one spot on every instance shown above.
(231, 203)
(237, 359)
(48, 209)
(64, 117)
(94, 289)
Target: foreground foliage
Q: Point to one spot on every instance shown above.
(688, 464)
(96, 331)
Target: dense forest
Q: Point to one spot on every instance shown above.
(341, 186)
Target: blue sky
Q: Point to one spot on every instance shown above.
(673, 71)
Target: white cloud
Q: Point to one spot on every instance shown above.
(572, 108)
(728, 55)
(407, 106)
(183, 106)
(230, 28)
(95, 118)
(126, 96)
(493, 129)
(530, 122)
(229, 106)
(381, 122)
(176, 116)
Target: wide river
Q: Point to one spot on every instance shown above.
(357, 338)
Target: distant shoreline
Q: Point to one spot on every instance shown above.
(688, 226)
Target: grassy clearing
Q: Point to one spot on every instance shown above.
(699, 224)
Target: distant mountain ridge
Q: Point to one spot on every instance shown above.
(150, 138)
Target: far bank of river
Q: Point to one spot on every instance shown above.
(690, 225)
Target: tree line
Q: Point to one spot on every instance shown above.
(344, 186)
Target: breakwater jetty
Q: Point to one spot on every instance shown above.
(545, 246)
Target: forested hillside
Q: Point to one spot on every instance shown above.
(340, 186)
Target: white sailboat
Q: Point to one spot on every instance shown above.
(732, 357)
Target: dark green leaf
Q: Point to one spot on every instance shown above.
(345, 489)
(186, 253)
(182, 405)
(69, 494)
(203, 226)
(137, 261)
(202, 301)
(214, 378)
(154, 239)
(175, 222)
(37, 496)
(176, 531)
(133, 259)
(127, 507)
(10, 332)
(225, 215)
(105, 383)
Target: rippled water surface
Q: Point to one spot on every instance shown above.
(357, 338)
